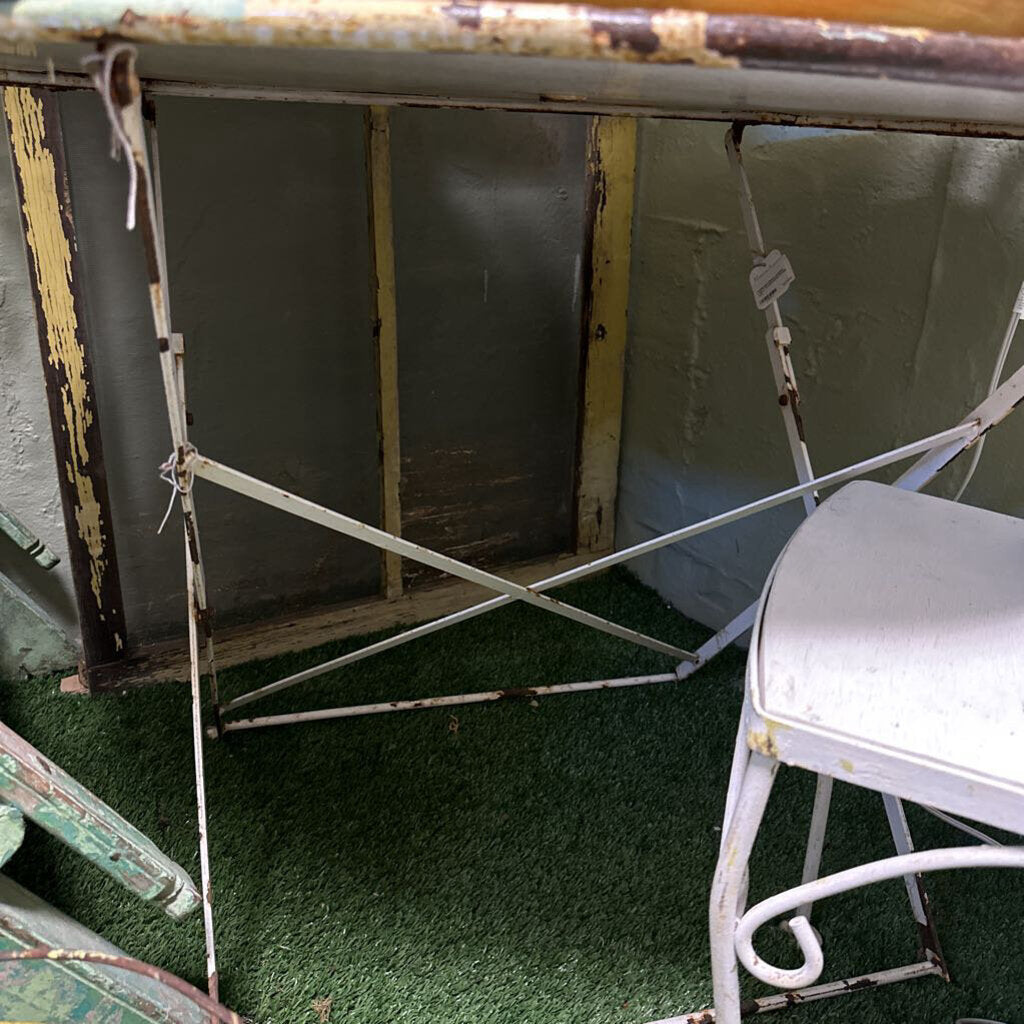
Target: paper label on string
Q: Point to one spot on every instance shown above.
(771, 280)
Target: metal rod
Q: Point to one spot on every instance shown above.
(993, 410)
(945, 859)
(827, 990)
(715, 645)
(124, 104)
(777, 335)
(279, 94)
(240, 482)
(816, 835)
(484, 697)
(197, 751)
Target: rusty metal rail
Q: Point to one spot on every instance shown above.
(561, 31)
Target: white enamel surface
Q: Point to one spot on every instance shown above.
(894, 625)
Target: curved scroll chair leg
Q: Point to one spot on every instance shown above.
(729, 887)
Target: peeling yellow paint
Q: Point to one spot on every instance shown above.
(386, 332)
(611, 167)
(764, 742)
(50, 253)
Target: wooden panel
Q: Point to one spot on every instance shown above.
(611, 166)
(37, 150)
(488, 225)
(385, 332)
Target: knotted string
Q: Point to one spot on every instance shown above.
(169, 474)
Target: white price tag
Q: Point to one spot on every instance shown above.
(770, 280)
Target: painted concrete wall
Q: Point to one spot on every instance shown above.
(908, 251)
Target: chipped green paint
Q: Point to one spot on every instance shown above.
(52, 799)
(75, 993)
(12, 831)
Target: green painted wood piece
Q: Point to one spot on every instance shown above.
(11, 525)
(12, 831)
(47, 795)
(73, 993)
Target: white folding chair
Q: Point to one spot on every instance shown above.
(887, 652)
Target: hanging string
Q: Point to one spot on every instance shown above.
(169, 474)
(100, 67)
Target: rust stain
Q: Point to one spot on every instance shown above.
(517, 693)
(861, 983)
(637, 33)
(521, 29)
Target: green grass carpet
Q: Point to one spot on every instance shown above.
(516, 863)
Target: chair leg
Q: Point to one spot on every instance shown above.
(816, 836)
(904, 843)
(729, 887)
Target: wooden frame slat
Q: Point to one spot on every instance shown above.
(40, 170)
(165, 662)
(385, 332)
(611, 171)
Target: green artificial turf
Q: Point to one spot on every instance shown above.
(520, 862)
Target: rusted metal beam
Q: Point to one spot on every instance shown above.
(568, 31)
(867, 51)
(384, 316)
(40, 169)
(46, 794)
(605, 264)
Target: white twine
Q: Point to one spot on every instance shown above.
(168, 473)
(100, 69)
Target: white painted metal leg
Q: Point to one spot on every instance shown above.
(904, 843)
(816, 835)
(197, 750)
(730, 882)
(454, 700)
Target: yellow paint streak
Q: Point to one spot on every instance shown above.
(384, 304)
(50, 254)
(765, 742)
(846, 764)
(611, 162)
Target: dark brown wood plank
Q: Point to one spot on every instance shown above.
(40, 169)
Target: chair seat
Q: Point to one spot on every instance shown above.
(889, 650)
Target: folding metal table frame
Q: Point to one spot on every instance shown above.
(113, 72)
